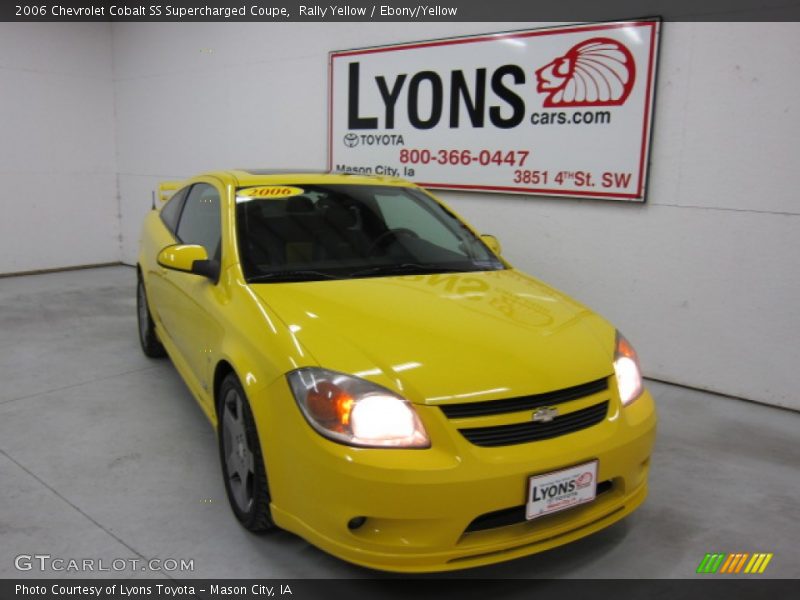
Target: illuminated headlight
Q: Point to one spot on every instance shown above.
(626, 368)
(356, 412)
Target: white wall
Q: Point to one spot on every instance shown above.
(704, 278)
(57, 149)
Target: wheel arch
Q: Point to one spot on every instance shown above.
(221, 371)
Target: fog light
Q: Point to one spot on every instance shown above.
(356, 522)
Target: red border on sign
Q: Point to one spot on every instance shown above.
(639, 195)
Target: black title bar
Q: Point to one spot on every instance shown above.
(400, 10)
(418, 588)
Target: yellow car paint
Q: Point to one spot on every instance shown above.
(181, 257)
(436, 340)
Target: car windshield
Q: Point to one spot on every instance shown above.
(317, 232)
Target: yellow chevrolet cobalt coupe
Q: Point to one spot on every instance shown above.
(383, 383)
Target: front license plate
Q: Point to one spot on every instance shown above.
(560, 490)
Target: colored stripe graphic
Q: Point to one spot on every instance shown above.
(741, 562)
(711, 563)
(701, 568)
(723, 563)
(758, 563)
(734, 563)
(730, 561)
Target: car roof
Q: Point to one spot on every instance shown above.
(248, 177)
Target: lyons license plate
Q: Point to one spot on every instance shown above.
(560, 490)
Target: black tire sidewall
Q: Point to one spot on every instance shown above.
(151, 346)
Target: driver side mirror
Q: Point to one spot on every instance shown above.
(493, 243)
(189, 258)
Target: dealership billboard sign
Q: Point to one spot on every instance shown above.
(562, 111)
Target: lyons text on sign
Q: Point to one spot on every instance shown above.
(562, 111)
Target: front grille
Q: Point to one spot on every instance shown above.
(520, 433)
(516, 514)
(496, 407)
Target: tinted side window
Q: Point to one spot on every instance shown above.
(200, 220)
(172, 209)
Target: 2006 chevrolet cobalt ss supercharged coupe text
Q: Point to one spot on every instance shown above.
(383, 383)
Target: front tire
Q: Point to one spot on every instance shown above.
(242, 462)
(151, 347)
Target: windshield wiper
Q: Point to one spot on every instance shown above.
(299, 275)
(405, 269)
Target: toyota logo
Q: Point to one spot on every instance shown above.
(351, 140)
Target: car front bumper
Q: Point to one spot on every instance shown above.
(454, 505)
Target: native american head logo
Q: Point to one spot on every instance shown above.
(596, 72)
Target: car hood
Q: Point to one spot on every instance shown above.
(446, 337)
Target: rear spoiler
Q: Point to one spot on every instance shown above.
(164, 191)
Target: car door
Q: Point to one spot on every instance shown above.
(191, 308)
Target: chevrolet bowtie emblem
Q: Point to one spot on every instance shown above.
(545, 414)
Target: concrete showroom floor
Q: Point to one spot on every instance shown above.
(104, 454)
